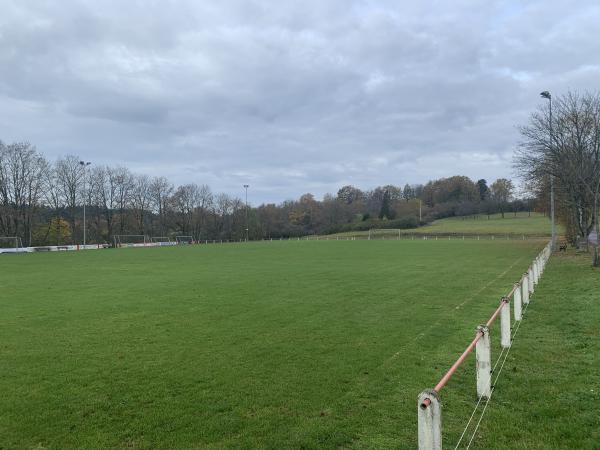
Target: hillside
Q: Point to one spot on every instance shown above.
(523, 223)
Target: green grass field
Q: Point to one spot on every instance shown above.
(521, 224)
(265, 345)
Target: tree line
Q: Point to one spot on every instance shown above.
(42, 202)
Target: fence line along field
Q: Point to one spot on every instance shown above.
(259, 345)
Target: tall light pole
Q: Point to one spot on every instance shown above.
(246, 186)
(547, 95)
(84, 165)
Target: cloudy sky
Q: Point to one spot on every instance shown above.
(290, 97)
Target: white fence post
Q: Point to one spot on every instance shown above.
(530, 279)
(525, 288)
(505, 322)
(517, 302)
(430, 421)
(483, 362)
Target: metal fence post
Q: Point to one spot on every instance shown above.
(430, 421)
(505, 322)
(483, 362)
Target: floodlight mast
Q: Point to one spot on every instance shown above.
(548, 96)
(84, 165)
(246, 186)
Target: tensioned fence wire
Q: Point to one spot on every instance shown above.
(474, 433)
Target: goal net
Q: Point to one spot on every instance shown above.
(184, 239)
(130, 240)
(11, 244)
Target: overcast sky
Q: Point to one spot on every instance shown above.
(289, 97)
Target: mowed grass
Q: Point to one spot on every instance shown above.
(276, 345)
(521, 224)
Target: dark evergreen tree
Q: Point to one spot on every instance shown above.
(484, 191)
(385, 210)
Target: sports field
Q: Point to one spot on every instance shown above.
(260, 345)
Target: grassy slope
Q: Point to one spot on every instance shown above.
(537, 224)
(522, 224)
(266, 345)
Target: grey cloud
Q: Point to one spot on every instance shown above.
(290, 97)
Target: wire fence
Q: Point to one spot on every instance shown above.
(429, 402)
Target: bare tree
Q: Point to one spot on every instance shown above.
(105, 184)
(141, 200)
(69, 177)
(567, 148)
(185, 201)
(160, 191)
(222, 209)
(124, 184)
(502, 192)
(22, 171)
(205, 202)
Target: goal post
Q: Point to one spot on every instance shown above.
(184, 239)
(11, 244)
(130, 240)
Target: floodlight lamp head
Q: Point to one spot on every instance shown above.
(546, 94)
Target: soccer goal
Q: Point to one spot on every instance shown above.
(161, 239)
(384, 233)
(130, 240)
(184, 239)
(11, 244)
